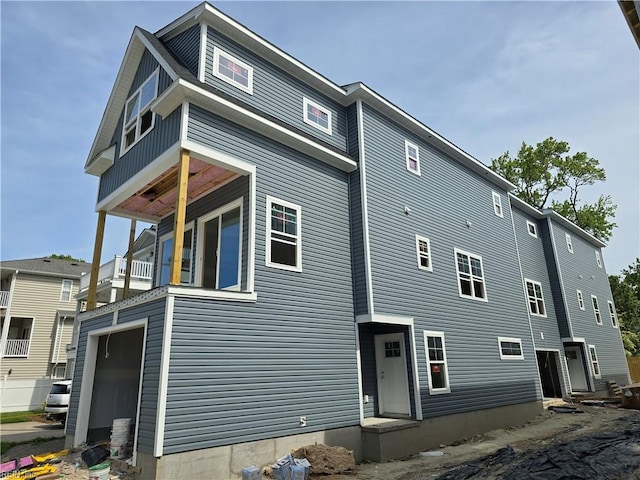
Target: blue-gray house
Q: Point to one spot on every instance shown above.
(327, 269)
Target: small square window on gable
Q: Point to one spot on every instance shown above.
(412, 155)
(569, 244)
(497, 204)
(531, 228)
(284, 235)
(317, 115)
(423, 250)
(233, 71)
(138, 117)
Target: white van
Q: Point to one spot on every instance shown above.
(58, 401)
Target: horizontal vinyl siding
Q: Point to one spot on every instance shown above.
(242, 372)
(580, 272)
(275, 92)
(154, 313)
(38, 297)
(534, 267)
(453, 207)
(186, 46)
(164, 134)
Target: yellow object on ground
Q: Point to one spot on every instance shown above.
(45, 457)
(30, 473)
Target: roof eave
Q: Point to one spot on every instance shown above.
(550, 213)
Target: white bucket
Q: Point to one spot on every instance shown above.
(97, 473)
(120, 431)
(118, 450)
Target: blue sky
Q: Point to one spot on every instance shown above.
(486, 75)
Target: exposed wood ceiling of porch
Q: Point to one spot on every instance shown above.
(158, 197)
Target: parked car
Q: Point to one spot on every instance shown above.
(57, 404)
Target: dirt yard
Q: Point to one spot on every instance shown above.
(513, 453)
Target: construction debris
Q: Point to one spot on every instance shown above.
(327, 460)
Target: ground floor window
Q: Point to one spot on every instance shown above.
(510, 348)
(594, 360)
(436, 362)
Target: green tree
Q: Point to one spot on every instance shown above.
(626, 295)
(544, 170)
(65, 257)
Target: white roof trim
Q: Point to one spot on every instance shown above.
(522, 205)
(128, 68)
(101, 162)
(556, 217)
(182, 90)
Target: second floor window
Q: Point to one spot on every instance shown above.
(232, 70)
(317, 115)
(497, 204)
(470, 276)
(596, 309)
(283, 248)
(536, 300)
(423, 249)
(580, 300)
(612, 314)
(65, 294)
(138, 117)
(412, 155)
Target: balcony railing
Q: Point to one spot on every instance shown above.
(4, 299)
(16, 348)
(117, 268)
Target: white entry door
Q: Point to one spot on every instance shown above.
(576, 368)
(391, 366)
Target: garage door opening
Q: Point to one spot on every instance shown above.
(548, 367)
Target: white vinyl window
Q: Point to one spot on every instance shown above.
(531, 228)
(138, 117)
(580, 299)
(317, 115)
(596, 309)
(510, 348)
(612, 314)
(233, 71)
(284, 235)
(470, 276)
(65, 292)
(536, 299)
(497, 204)
(598, 259)
(569, 244)
(436, 363)
(423, 250)
(594, 360)
(412, 156)
(166, 259)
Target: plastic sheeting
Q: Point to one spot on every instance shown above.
(601, 456)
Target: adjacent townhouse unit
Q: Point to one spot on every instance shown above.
(327, 269)
(37, 310)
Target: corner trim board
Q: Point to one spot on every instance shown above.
(164, 378)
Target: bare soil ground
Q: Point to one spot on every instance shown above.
(546, 431)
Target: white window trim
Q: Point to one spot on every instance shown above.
(408, 144)
(497, 204)
(535, 229)
(200, 245)
(567, 237)
(484, 281)
(139, 137)
(305, 115)
(598, 259)
(596, 312)
(419, 255)
(510, 340)
(187, 227)
(544, 304)
(596, 361)
(267, 255)
(580, 299)
(62, 290)
(216, 62)
(612, 313)
(437, 391)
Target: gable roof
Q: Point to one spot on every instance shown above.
(48, 266)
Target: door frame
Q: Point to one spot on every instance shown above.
(581, 345)
(563, 375)
(378, 341)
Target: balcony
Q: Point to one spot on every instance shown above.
(16, 348)
(4, 299)
(114, 272)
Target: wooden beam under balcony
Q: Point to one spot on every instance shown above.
(95, 264)
(127, 275)
(179, 218)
